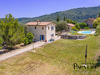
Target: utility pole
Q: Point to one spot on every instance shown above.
(86, 54)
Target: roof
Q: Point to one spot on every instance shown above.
(38, 23)
(90, 19)
(70, 24)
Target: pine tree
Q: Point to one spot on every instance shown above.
(1, 39)
(13, 33)
(58, 18)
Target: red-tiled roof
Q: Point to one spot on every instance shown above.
(38, 23)
(91, 19)
(69, 24)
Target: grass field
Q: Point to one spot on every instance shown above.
(56, 58)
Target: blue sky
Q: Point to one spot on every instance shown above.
(35, 8)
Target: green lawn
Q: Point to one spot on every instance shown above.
(56, 58)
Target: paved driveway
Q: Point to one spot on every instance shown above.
(22, 50)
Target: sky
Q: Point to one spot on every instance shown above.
(35, 8)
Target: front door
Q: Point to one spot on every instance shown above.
(42, 37)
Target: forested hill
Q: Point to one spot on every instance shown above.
(78, 14)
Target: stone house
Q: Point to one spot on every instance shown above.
(44, 31)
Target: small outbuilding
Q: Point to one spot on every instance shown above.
(69, 26)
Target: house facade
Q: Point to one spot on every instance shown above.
(89, 22)
(42, 30)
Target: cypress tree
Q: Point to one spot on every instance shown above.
(64, 18)
(58, 18)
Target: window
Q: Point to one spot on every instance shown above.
(42, 28)
(35, 27)
(52, 35)
(52, 28)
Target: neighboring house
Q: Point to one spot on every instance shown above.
(89, 22)
(42, 30)
(69, 26)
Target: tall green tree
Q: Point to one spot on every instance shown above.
(64, 18)
(13, 33)
(58, 18)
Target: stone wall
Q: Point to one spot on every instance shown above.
(73, 36)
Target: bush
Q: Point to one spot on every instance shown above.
(74, 28)
(86, 28)
(29, 38)
(97, 30)
(26, 41)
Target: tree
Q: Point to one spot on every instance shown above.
(96, 22)
(77, 26)
(1, 39)
(1, 42)
(71, 21)
(61, 26)
(26, 30)
(13, 33)
(98, 30)
(64, 18)
(82, 25)
(29, 38)
(58, 18)
(99, 15)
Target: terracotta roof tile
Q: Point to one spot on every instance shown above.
(69, 24)
(38, 23)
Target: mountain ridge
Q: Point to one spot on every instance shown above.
(77, 14)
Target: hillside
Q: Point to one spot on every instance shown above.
(78, 14)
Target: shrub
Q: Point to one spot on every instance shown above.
(86, 28)
(74, 28)
(29, 38)
(26, 41)
(97, 30)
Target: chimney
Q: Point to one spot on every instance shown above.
(38, 22)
